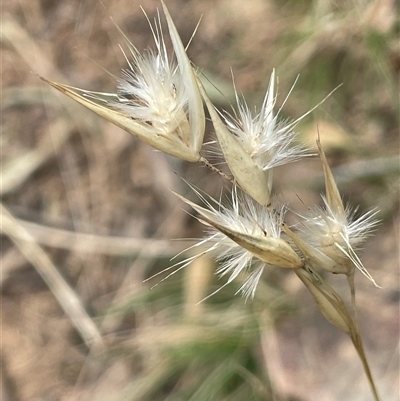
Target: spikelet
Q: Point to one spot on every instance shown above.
(157, 100)
(245, 236)
(331, 234)
(254, 143)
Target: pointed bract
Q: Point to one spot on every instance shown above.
(189, 77)
(332, 194)
(250, 177)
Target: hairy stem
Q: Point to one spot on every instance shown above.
(216, 170)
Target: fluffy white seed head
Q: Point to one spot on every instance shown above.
(152, 93)
(269, 140)
(157, 99)
(252, 142)
(338, 233)
(245, 237)
(335, 230)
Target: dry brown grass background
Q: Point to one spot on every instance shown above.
(88, 207)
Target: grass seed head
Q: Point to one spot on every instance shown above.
(334, 230)
(253, 143)
(157, 99)
(268, 140)
(246, 237)
(339, 234)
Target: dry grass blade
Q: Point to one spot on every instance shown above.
(97, 244)
(11, 261)
(65, 295)
(18, 170)
(15, 35)
(361, 170)
(39, 61)
(198, 276)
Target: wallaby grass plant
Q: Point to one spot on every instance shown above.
(159, 99)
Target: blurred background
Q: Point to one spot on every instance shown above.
(88, 213)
